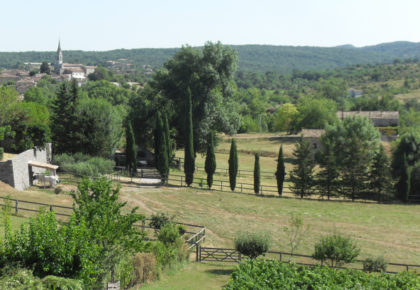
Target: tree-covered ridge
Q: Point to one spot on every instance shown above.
(254, 58)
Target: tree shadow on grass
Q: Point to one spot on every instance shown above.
(226, 272)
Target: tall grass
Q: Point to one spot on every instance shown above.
(86, 165)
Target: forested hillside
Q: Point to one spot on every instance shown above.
(255, 58)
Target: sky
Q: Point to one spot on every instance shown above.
(104, 25)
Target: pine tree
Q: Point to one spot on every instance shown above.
(161, 151)
(327, 176)
(189, 159)
(64, 120)
(130, 150)
(210, 164)
(302, 175)
(257, 175)
(233, 165)
(404, 183)
(281, 171)
(380, 176)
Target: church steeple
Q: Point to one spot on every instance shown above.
(58, 59)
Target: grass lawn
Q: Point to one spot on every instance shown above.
(389, 230)
(195, 276)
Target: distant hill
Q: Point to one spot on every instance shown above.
(256, 58)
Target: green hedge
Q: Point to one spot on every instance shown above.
(84, 165)
(272, 274)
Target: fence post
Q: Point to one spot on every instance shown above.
(261, 189)
(51, 207)
(280, 257)
(16, 207)
(240, 257)
(143, 225)
(221, 185)
(241, 187)
(181, 180)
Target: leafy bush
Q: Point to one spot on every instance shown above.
(252, 244)
(272, 274)
(169, 234)
(18, 278)
(377, 264)
(337, 249)
(85, 165)
(159, 220)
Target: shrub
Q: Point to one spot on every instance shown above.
(84, 165)
(377, 264)
(337, 249)
(1, 153)
(58, 190)
(145, 267)
(168, 234)
(159, 220)
(272, 274)
(252, 244)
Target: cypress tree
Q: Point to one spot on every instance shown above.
(380, 176)
(302, 175)
(161, 152)
(210, 164)
(257, 175)
(281, 171)
(130, 150)
(189, 160)
(167, 138)
(233, 165)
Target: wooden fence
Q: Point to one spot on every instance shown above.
(231, 255)
(23, 206)
(223, 185)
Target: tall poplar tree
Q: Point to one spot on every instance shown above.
(281, 171)
(189, 159)
(257, 175)
(233, 165)
(130, 150)
(302, 175)
(210, 164)
(161, 152)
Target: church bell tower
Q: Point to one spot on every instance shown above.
(58, 60)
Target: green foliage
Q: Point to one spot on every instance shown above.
(257, 174)
(302, 175)
(272, 274)
(169, 234)
(280, 172)
(314, 114)
(84, 165)
(285, 117)
(161, 149)
(99, 127)
(210, 163)
(380, 176)
(96, 204)
(335, 250)
(15, 278)
(157, 221)
(44, 68)
(208, 74)
(130, 149)
(377, 264)
(351, 146)
(64, 125)
(233, 165)
(296, 232)
(252, 245)
(189, 155)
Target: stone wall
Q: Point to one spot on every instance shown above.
(16, 171)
